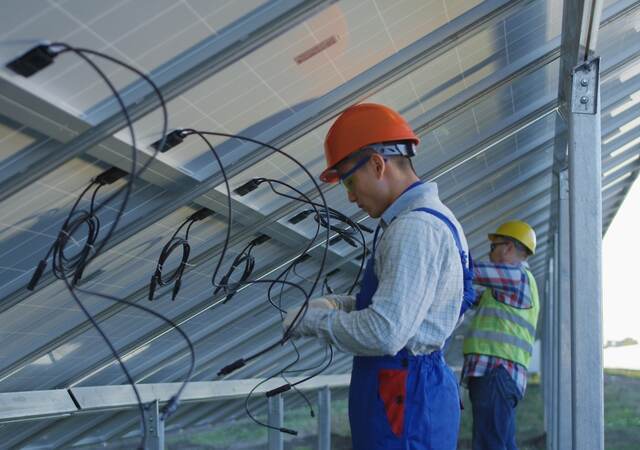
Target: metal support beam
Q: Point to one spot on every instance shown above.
(155, 426)
(563, 324)
(585, 207)
(324, 418)
(276, 419)
(549, 387)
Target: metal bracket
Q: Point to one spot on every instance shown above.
(585, 82)
(155, 426)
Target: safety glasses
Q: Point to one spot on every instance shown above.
(385, 149)
(495, 245)
(346, 179)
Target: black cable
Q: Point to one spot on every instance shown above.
(62, 263)
(176, 275)
(282, 280)
(69, 286)
(81, 52)
(286, 336)
(325, 222)
(246, 253)
(245, 259)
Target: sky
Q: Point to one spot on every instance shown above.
(621, 271)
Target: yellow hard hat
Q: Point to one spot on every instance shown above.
(520, 231)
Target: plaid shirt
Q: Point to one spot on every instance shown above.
(509, 285)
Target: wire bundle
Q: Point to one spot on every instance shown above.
(70, 268)
(246, 259)
(64, 266)
(174, 243)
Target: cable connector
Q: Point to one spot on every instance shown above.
(288, 431)
(300, 216)
(261, 239)
(176, 289)
(170, 408)
(334, 240)
(249, 186)
(172, 139)
(110, 176)
(37, 275)
(278, 390)
(33, 61)
(152, 287)
(200, 214)
(77, 275)
(226, 370)
(365, 228)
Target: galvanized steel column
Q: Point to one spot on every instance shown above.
(276, 419)
(547, 365)
(324, 418)
(585, 210)
(564, 410)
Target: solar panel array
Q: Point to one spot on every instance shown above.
(477, 80)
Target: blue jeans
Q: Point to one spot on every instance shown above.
(494, 398)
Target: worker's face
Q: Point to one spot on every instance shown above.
(500, 250)
(360, 176)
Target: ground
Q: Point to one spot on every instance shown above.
(622, 423)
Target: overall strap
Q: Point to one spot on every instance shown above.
(449, 224)
(468, 298)
(375, 240)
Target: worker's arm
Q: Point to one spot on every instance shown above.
(410, 258)
(509, 283)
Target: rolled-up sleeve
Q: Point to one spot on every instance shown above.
(409, 259)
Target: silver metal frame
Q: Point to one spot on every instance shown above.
(572, 419)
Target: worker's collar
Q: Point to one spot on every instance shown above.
(406, 200)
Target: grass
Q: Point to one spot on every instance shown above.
(622, 422)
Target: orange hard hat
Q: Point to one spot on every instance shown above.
(359, 126)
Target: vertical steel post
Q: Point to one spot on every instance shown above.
(564, 410)
(550, 379)
(547, 365)
(324, 418)
(276, 419)
(585, 209)
(155, 427)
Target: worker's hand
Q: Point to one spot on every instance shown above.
(319, 303)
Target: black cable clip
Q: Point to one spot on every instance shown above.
(171, 140)
(278, 390)
(37, 274)
(249, 186)
(226, 370)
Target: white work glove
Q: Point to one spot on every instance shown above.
(316, 303)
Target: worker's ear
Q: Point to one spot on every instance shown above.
(379, 165)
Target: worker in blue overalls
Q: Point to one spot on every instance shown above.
(402, 393)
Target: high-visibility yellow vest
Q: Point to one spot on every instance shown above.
(502, 330)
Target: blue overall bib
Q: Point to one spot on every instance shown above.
(405, 401)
